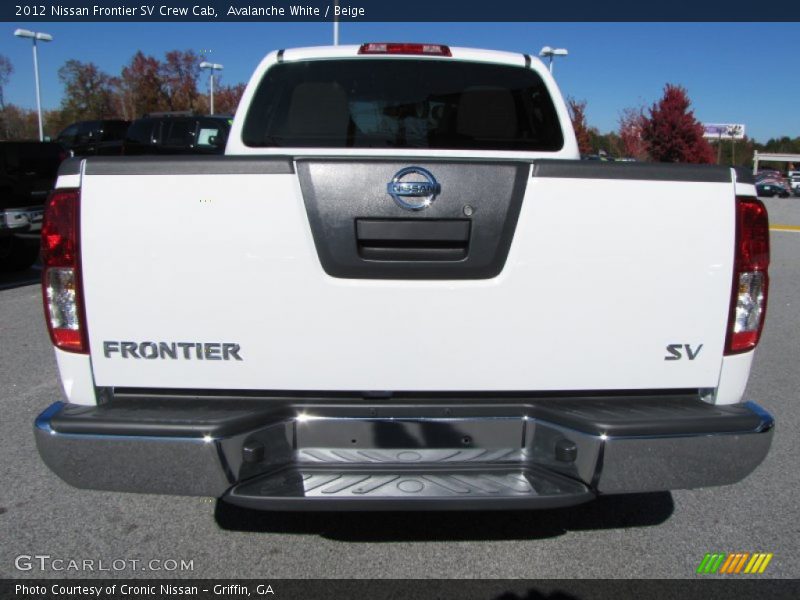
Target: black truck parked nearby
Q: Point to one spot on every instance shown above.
(177, 133)
(27, 174)
(94, 138)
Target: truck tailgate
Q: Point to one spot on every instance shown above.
(212, 277)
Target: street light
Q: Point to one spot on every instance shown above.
(335, 24)
(211, 67)
(40, 37)
(552, 52)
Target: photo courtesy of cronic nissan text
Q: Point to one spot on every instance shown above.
(369, 300)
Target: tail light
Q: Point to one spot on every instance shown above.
(401, 48)
(62, 288)
(750, 278)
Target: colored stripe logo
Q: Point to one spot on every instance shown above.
(734, 563)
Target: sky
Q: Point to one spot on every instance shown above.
(734, 72)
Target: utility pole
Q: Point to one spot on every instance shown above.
(43, 37)
(211, 67)
(550, 53)
(335, 24)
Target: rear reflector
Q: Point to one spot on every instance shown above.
(61, 278)
(400, 48)
(750, 276)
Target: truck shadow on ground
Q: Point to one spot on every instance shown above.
(607, 512)
(534, 594)
(9, 281)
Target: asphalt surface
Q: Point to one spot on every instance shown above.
(650, 535)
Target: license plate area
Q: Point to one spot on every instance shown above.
(417, 434)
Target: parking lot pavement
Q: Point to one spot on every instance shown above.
(783, 211)
(646, 535)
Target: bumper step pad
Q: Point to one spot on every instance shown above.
(310, 488)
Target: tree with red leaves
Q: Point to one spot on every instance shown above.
(180, 72)
(6, 69)
(226, 98)
(88, 91)
(672, 134)
(631, 122)
(141, 89)
(577, 114)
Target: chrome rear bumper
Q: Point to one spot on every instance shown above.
(27, 219)
(268, 454)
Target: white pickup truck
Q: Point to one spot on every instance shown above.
(400, 289)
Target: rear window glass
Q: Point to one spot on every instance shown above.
(69, 132)
(205, 135)
(402, 104)
(140, 132)
(212, 132)
(181, 133)
(114, 130)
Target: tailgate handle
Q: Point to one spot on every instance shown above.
(413, 239)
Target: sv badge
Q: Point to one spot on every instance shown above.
(676, 351)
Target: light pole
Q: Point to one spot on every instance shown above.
(43, 37)
(335, 24)
(552, 52)
(211, 67)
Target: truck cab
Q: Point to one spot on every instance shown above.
(94, 138)
(28, 173)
